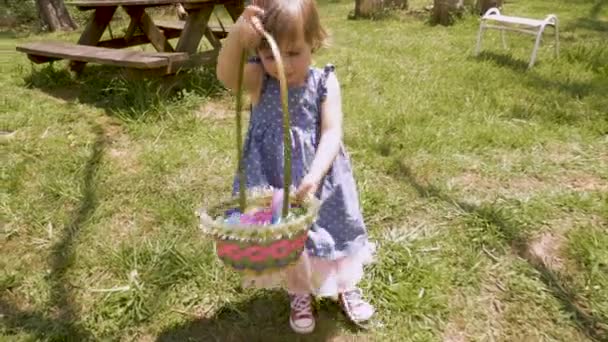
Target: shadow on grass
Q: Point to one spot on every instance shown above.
(592, 326)
(8, 34)
(589, 24)
(59, 323)
(594, 57)
(592, 22)
(17, 320)
(504, 60)
(63, 255)
(594, 119)
(597, 8)
(261, 318)
(575, 89)
(121, 96)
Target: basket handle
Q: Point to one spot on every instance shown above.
(286, 126)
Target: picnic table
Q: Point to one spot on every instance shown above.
(142, 29)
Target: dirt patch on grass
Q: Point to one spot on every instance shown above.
(359, 338)
(124, 225)
(515, 174)
(214, 170)
(471, 181)
(493, 307)
(111, 128)
(582, 181)
(217, 110)
(185, 178)
(547, 247)
(480, 317)
(454, 333)
(11, 305)
(477, 187)
(545, 250)
(121, 150)
(144, 338)
(524, 186)
(564, 153)
(124, 154)
(65, 94)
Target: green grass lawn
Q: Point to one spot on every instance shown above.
(484, 185)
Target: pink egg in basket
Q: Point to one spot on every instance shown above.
(257, 217)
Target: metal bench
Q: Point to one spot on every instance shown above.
(492, 19)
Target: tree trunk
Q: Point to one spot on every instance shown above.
(484, 5)
(367, 8)
(370, 8)
(444, 11)
(357, 8)
(55, 15)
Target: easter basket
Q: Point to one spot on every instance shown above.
(261, 243)
(259, 248)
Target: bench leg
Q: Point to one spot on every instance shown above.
(157, 38)
(215, 42)
(536, 45)
(94, 30)
(133, 26)
(504, 39)
(234, 9)
(479, 38)
(195, 27)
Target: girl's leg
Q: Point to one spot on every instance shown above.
(301, 317)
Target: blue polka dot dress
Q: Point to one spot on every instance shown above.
(339, 233)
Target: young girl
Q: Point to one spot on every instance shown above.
(338, 245)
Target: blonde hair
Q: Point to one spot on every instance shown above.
(287, 20)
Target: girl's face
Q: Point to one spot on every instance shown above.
(296, 55)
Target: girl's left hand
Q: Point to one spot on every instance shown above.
(307, 187)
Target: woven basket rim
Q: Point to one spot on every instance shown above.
(252, 232)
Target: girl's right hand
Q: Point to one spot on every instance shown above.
(250, 26)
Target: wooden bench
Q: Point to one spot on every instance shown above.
(141, 30)
(41, 52)
(492, 19)
(170, 26)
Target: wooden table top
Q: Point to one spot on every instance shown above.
(101, 3)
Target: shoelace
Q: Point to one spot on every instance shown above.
(353, 297)
(300, 303)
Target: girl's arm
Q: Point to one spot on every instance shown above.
(241, 38)
(331, 138)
